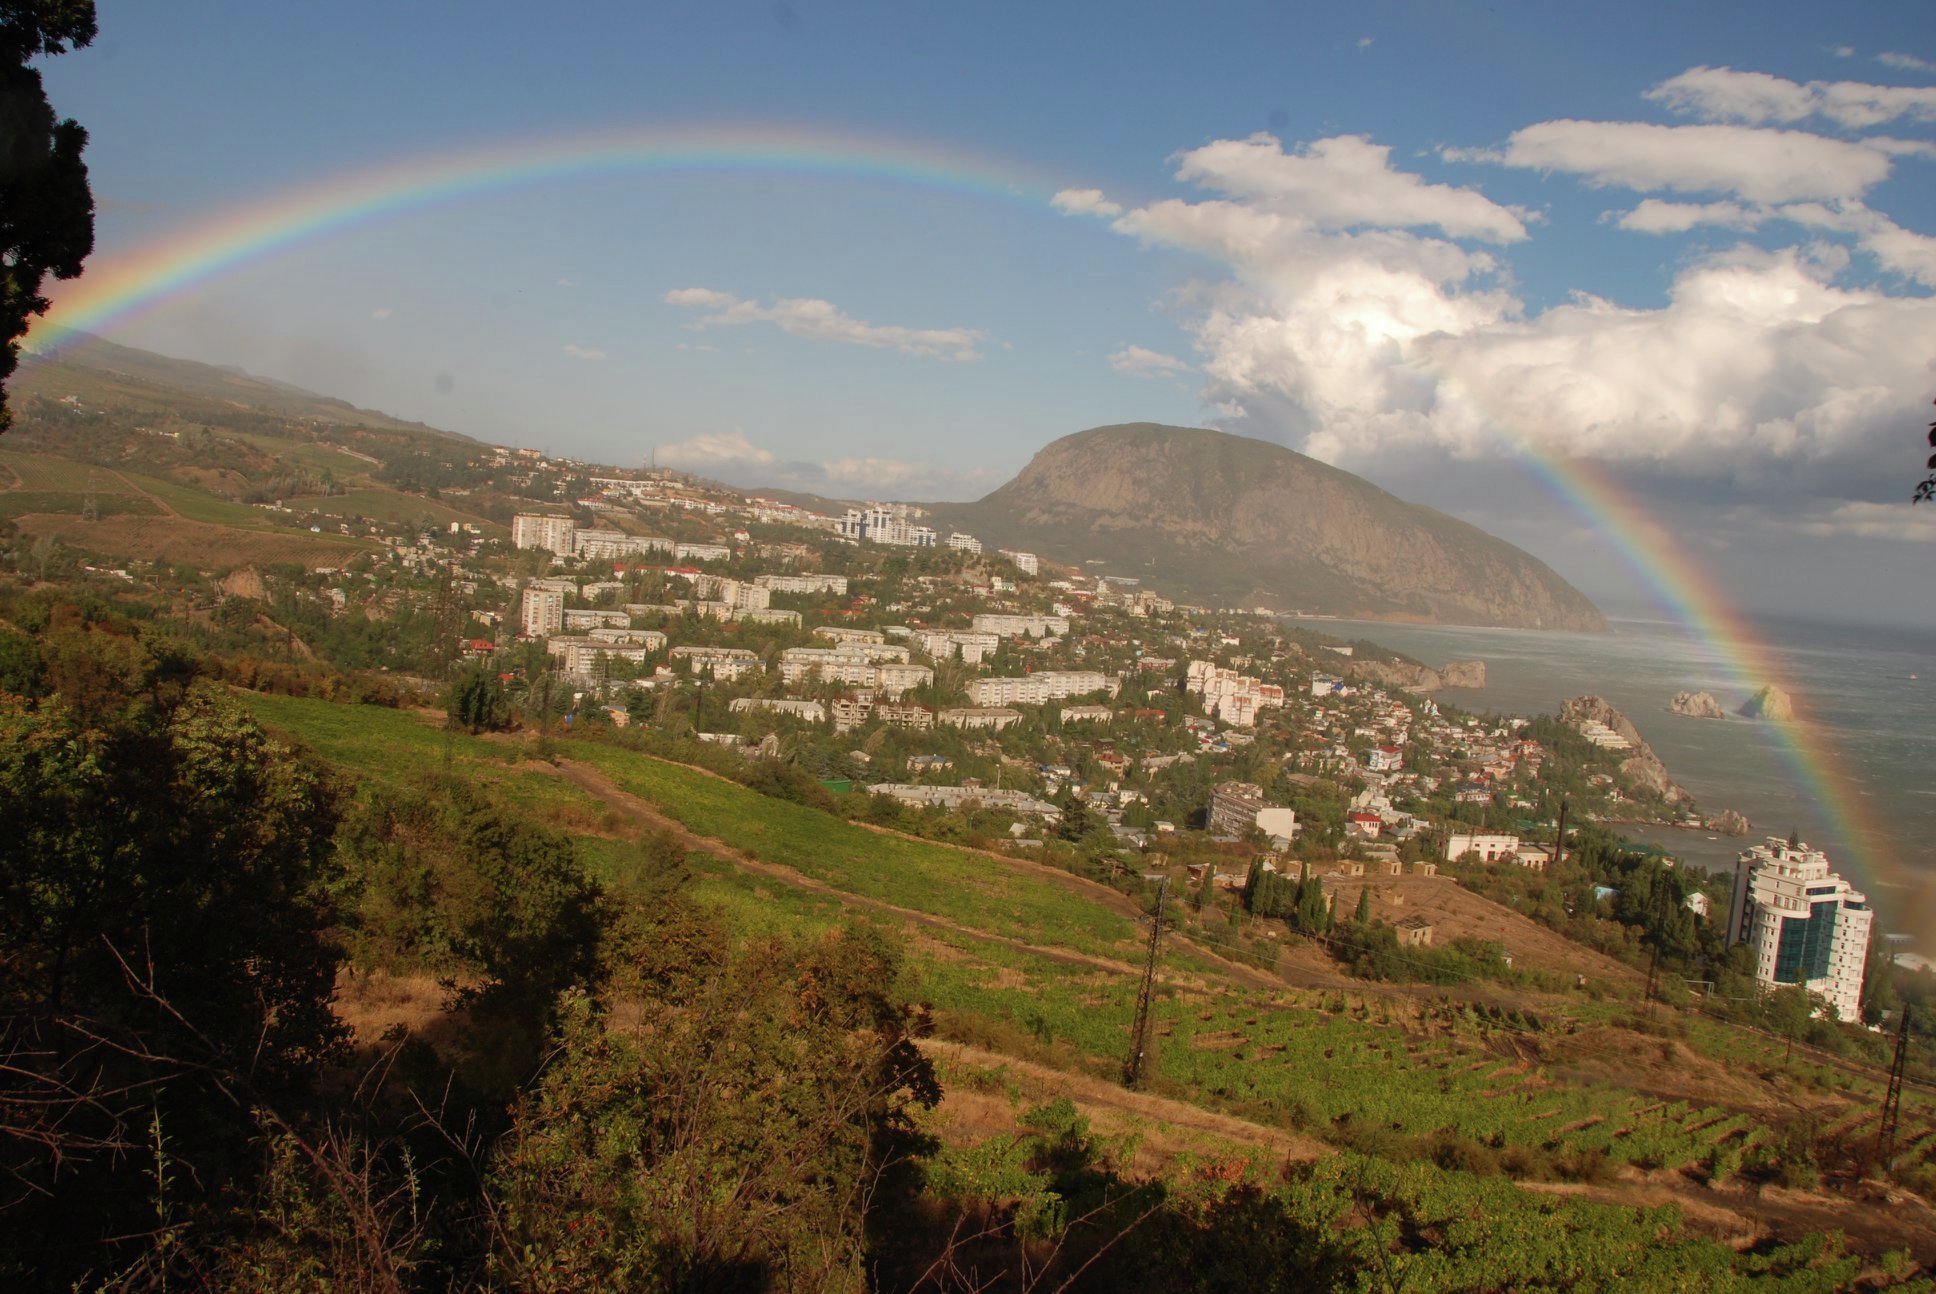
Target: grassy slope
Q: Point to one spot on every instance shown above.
(1357, 1057)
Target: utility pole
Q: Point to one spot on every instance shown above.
(1892, 1103)
(1139, 1032)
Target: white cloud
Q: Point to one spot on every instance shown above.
(1345, 182)
(567, 283)
(381, 312)
(1658, 216)
(583, 352)
(1841, 51)
(1366, 346)
(823, 321)
(1085, 202)
(1138, 361)
(1900, 250)
(1760, 165)
(1364, 42)
(709, 452)
(1908, 62)
(1901, 521)
(1756, 98)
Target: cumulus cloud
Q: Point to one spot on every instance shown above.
(1755, 163)
(381, 312)
(1842, 51)
(818, 320)
(710, 452)
(1902, 251)
(1345, 182)
(576, 351)
(1138, 361)
(1085, 202)
(1907, 62)
(1756, 98)
(1365, 343)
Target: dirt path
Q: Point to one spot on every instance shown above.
(1164, 1128)
(1876, 1222)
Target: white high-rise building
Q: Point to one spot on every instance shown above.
(1807, 925)
(530, 530)
(542, 612)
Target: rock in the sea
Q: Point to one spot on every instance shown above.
(1729, 822)
(1769, 703)
(1697, 705)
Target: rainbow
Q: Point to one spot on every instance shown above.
(1688, 592)
(118, 288)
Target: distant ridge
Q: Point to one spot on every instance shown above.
(226, 382)
(1228, 520)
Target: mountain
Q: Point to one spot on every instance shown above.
(126, 371)
(1227, 520)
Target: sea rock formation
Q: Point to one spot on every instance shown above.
(1697, 705)
(1463, 674)
(1642, 769)
(1729, 822)
(1769, 703)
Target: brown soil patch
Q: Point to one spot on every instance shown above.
(1456, 912)
(1164, 1128)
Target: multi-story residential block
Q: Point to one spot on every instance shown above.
(811, 711)
(1024, 562)
(1087, 714)
(886, 523)
(650, 639)
(842, 634)
(1040, 687)
(804, 583)
(532, 530)
(1806, 924)
(956, 797)
(904, 716)
(896, 679)
(767, 616)
(1012, 626)
(727, 664)
(991, 718)
(964, 543)
(588, 618)
(615, 544)
(702, 552)
(1236, 807)
(541, 612)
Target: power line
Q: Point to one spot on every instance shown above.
(1139, 1033)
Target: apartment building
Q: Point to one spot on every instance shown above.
(532, 530)
(1019, 626)
(1806, 924)
(1040, 687)
(541, 612)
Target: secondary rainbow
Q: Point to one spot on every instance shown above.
(119, 287)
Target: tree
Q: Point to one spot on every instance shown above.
(1363, 916)
(164, 965)
(46, 210)
(478, 702)
(1927, 490)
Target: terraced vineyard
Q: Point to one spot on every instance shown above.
(1042, 967)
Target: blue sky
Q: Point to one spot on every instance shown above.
(1689, 243)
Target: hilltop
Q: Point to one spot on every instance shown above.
(1227, 520)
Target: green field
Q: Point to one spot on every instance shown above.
(1348, 1065)
(20, 503)
(43, 473)
(387, 505)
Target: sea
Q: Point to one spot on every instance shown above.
(1868, 694)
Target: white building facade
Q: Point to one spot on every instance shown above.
(1806, 925)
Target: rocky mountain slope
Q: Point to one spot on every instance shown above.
(1227, 520)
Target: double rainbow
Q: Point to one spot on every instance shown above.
(118, 288)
